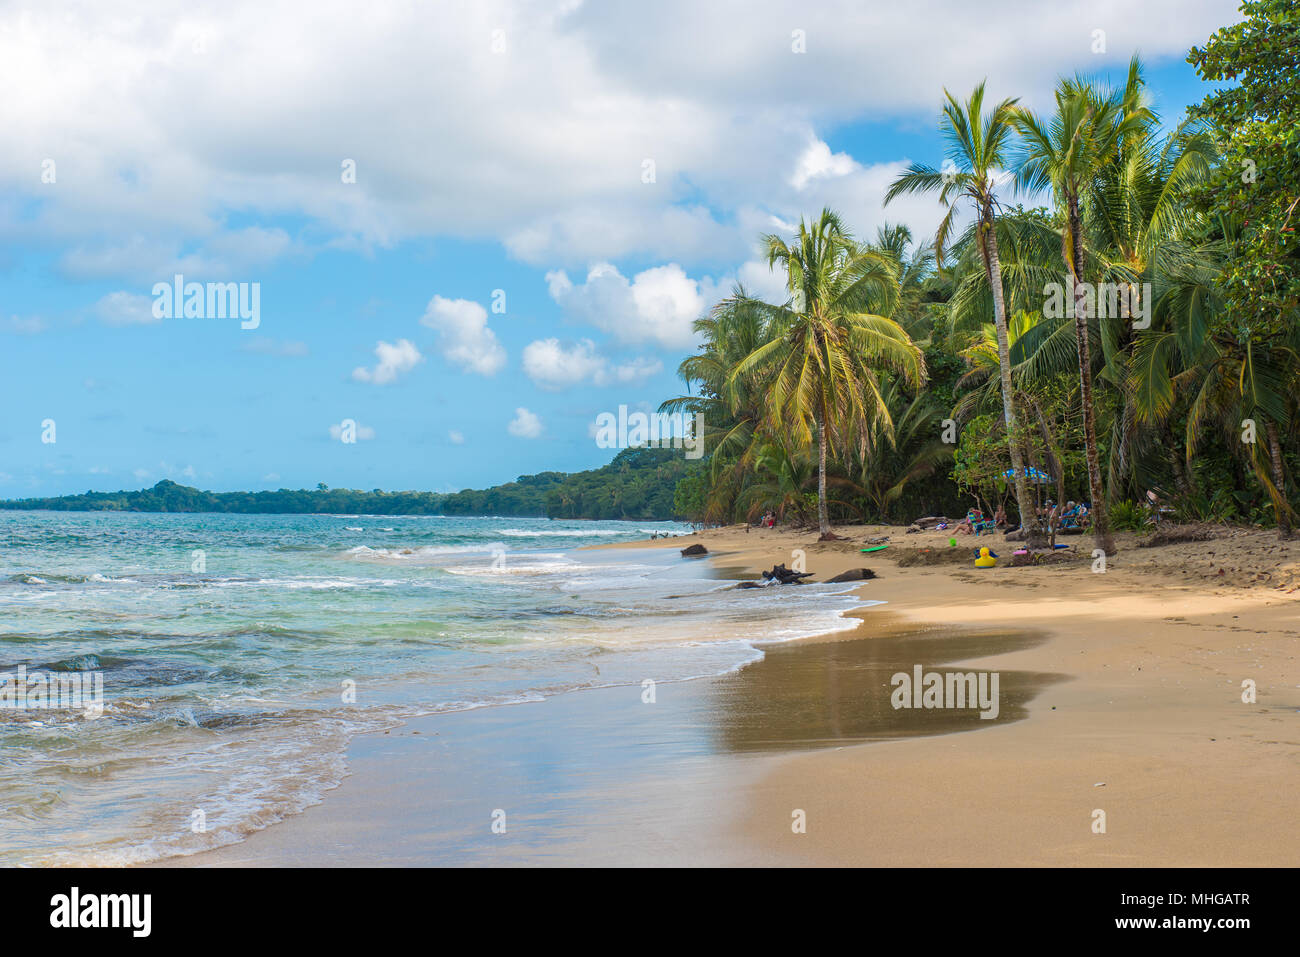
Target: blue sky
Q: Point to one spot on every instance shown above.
(214, 146)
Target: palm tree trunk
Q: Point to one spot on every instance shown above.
(1025, 505)
(1100, 518)
(1181, 482)
(823, 523)
(1275, 454)
(1053, 465)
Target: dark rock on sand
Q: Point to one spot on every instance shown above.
(852, 575)
(690, 550)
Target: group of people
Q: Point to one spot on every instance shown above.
(1061, 517)
(1070, 515)
(975, 522)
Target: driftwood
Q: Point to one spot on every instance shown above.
(785, 576)
(930, 521)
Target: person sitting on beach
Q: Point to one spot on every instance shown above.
(967, 525)
(1000, 517)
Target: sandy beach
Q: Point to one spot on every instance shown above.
(1150, 726)
(1121, 693)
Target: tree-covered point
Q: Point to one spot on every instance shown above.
(639, 484)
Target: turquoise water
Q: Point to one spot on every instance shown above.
(240, 653)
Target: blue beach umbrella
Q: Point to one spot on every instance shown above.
(1034, 475)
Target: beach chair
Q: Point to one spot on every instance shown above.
(978, 523)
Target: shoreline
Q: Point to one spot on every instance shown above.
(1146, 725)
(1150, 728)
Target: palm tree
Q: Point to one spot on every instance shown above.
(828, 340)
(1137, 211)
(977, 148)
(1067, 154)
(732, 330)
(780, 483)
(916, 270)
(915, 452)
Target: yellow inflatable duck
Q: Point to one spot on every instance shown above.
(986, 558)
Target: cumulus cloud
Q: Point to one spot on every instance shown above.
(160, 126)
(657, 305)
(125, 308)
(464, 335)
(817, 162)
(525, 424)
(554, 366)
(395, 359)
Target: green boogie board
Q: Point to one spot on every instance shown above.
(874, 548)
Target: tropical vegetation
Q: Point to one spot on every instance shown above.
(1108, 313)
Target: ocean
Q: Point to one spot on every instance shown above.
(239, 654)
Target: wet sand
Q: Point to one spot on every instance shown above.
(604, 777)
(1121, 693)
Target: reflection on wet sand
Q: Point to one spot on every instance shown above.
(822, 694)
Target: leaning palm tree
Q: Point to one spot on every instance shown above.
(1066, 154)
(977, 149)
(819, 370)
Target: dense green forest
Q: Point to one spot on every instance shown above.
(638, 484)
(1135, 339)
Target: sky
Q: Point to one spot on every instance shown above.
(471, 227)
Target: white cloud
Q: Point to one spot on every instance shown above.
(627, 373)
(155, 141)
(395, 359)
(553, 366)
(525, 424)
(464, 335)
(456, 438)
(125, 308)
(817, 162)
(271, 477)
(657, 305)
